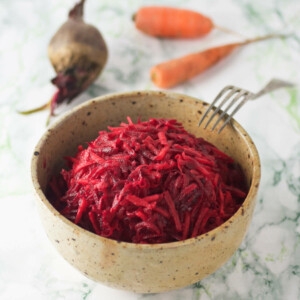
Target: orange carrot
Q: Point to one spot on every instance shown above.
(169, 22)
(175, 71)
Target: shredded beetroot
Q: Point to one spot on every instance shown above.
(150, 182)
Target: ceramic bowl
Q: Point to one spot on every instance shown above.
(136, 267)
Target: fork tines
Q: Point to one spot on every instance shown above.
(232, 93)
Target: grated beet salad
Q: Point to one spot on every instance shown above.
(150, 182)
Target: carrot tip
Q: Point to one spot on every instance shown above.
(229, 31)
(133, 17)
(153, 76)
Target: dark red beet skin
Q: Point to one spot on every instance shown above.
(150, 182)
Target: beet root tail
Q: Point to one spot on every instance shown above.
(51, 104)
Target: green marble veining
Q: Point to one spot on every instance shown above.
(267, 264)
(293, 107)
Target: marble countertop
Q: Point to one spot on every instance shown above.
(267, 264)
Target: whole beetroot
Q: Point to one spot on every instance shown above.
(78, 54)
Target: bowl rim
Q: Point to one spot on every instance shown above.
(255, 180)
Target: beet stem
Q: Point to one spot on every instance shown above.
(77, 10)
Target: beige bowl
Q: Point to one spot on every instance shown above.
(135, 267)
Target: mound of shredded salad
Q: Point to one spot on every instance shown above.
(150, 182)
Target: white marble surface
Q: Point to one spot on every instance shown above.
(267, 264)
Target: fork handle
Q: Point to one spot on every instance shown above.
(273, 85)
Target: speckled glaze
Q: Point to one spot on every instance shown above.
(134, 267)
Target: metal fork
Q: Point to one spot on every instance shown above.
(236, 94)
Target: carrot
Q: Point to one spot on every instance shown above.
(175, 71)
(169, 22)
